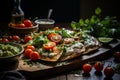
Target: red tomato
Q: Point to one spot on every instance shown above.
(98, 66)
(5, 40)
(87, 67)
(8, 38)
(68, 40)
(109, 71)
(49, 45)
(34, 55)
(56, 28)
(16, 38)
(27, 38)
(55, 37)
(27, 53)
(30, 47)
(117, 56)
(27, 23)
(21, 25)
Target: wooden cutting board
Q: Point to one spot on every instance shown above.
(41, 68)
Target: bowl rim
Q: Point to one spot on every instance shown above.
(37, 21)
(16, 44)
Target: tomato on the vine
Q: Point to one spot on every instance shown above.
(109, 71)
(98, 66)
(49, 45)
(87, 67)
(34, 55)
(55, 37)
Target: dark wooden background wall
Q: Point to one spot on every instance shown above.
(63, 10)
(109, 7)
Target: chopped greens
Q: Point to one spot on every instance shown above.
(7, 50)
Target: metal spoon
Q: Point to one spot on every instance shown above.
(49, 13)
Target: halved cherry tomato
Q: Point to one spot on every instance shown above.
(34, 55)
(98, 66)
(49, 45)
(55, 37)
(27, 38)
(87, 67)
(68, 40)
(27, 53)
(30, 47)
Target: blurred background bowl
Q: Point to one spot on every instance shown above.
(11, 62)
(23, 31)
(45, 24)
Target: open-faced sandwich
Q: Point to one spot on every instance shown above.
(62, 44)
(90, 43)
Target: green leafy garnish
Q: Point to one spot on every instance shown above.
(97, 26)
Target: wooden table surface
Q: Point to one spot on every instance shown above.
(78, 74)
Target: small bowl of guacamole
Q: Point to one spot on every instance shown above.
(10, 53)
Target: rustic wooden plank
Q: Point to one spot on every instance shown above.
(60, 77)
(74, 77)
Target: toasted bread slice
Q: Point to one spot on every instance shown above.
(53, 56)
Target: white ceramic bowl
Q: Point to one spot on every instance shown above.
(45, 24)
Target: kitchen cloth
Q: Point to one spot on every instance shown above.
(11, 75)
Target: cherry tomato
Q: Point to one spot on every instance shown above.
(87, 67)
(98, 66)
(5, 40)
(109, 71)
(13, 25)
(34, 55)
(68, 40)
(30, 47)
(56, 28)
(21, 25)
(55, 37)
(0, 39)
(16, 38)
(9, 38)
(49, 45)
(117, 56)
(27, 53)
(27, 38)
(27, 23)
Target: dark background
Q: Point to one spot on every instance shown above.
(63, 10)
